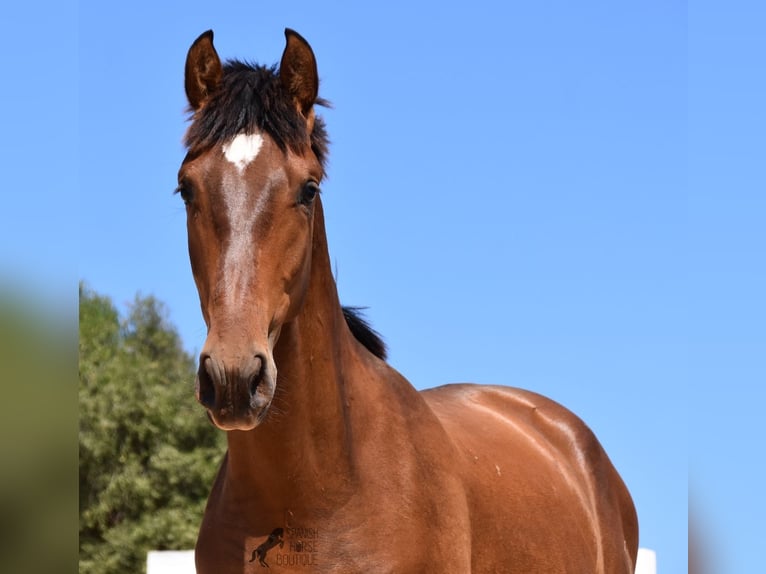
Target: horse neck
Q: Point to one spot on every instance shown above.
(308, 430)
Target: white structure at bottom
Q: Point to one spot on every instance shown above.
(170, 562)
(646, 562)
(182, 562)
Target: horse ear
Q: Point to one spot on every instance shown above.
(298, 73)
(203, 71)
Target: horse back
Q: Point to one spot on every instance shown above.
(534, 474)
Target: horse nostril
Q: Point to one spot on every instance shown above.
(256, 376)
(206, 383)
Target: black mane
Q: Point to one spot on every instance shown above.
(363, 333)
(250, 99)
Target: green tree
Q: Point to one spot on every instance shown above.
(148, 455)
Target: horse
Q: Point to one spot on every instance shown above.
(326, 441)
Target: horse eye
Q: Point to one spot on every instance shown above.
(185, 192)
(308, 193)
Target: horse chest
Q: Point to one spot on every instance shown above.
(359, 537)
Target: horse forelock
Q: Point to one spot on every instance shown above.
(251, 99)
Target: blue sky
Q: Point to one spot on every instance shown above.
(566, 197)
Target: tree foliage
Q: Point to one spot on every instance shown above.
(148, 454)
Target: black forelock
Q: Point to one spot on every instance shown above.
(250, 99)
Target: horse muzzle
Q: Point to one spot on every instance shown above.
(237, 394)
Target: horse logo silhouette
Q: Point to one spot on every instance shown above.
(274, 539)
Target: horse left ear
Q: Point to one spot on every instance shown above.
(203, 71)
(298, 74)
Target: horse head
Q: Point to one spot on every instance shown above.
(250, 183)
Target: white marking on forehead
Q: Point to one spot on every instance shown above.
(244, 208)
(243, 149)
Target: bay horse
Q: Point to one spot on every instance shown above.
(328, 445)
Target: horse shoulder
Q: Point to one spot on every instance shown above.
(526, 455)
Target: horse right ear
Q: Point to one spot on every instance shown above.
(203, 71)
(298, 74)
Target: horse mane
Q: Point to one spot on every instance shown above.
(250, 99)
(363, 333)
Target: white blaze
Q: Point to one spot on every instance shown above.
(243, 149)
(244, 206)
